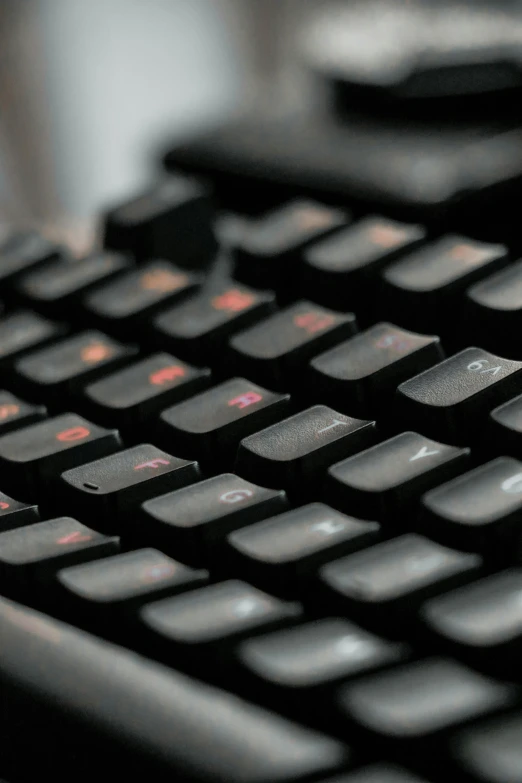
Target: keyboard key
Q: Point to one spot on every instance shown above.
(107, 490)
(482, 622)
(116, 687)
(130, 397)
(387, 582)
(433, 279)
(22, 331)
(478, 511)
(214, 616)
(15, 413)
(491, 751)
(281, 553)
(14, 513)
(295, 453)
(31, 457)
(172, 220)
(53, 373)
(25, 251)
(417, 702)
(31, 555)
(274, 351)
(105, 591)
(451, 401)
(386, 481)
(201, 325)
(61, 284)
(131, 299)
(338, 269)
(493, 311)
(299, 661)
(361, 375)
(209, 426)
(268, 252)
(503, 433)
(189, 522)
(379, 773)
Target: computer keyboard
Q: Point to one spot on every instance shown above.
(261, 499)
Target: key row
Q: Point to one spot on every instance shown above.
(328, 663)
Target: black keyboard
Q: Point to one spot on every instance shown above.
(261, 499)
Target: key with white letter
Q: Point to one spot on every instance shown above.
(387, 480)
(480, 511)
(294, 453)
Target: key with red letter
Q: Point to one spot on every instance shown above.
(31, 555)
(14, 513)
(32, 456)
(276, 350)
(128, 398)
(202, 324)
(209, 426)
(106, 491)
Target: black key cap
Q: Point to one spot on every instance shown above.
(214, 617)
(491, 751)
(418, 703)
(14, 513)
(451, 400)
(209, 426)
(339, 269)
(129, 301)
(22, 331)
(361, 375)
(15, 413)
(482, 622)
(275, 350)
(133, 703)
(493, 311)
(299, 662)
(23, 252)
(503, 433)
(267, 254)
(129, 397)
(107, 590)
(280, 553)
(379, 773)
(34, 455)
(31, 555)
(480, 510)
(295, 453)
(61, 284)
(107, 490)
(201, 325)
(189, 522)
(52, 373)
(386, 481)
(172, 220)
(432, 280)
(387, 582)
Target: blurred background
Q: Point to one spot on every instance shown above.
(90, 88)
